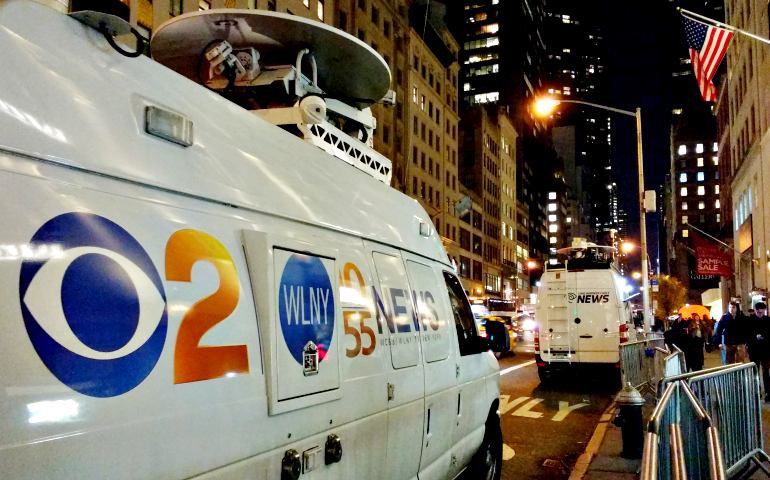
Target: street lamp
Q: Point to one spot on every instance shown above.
(636, 275)
(627, 247)
(545, 106)
(531, 264)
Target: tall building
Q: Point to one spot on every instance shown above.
(582, 133)
(744, 154)
(695, 194)
(503, 62)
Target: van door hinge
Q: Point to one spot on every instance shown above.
(391, 391)
(457, 371)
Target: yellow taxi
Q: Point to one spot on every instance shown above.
(482, 322)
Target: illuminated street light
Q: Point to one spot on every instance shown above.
(531, 264)
(627, 247)
(543, 107)
(636, 275)
(546, 105)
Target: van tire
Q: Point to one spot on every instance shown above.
(545, 375)
(487, 463)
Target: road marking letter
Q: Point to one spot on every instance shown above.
(565, 409)
(505, 406)
(525, 410)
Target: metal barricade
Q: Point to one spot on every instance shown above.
(681, 442)
(640, 364)
(674, 364)
(730, 396)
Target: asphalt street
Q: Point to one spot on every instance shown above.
(546, 427)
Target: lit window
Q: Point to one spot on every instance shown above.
(716, 147)
(683, 191)
(682, 149)
(700, 162)
(566, 50)
(699, 148)
(719, 217)
(701, 176)
(466, 87)
(550, 90)
(553, 228)
(716, 189)
(422, 103)
(682, 178)
(414, 94)
(551, 195)
(551, 207)
(553, 239)
(204, 5)
(716, 204)
(701, 205)
(320, 10)
(716, 160)
(685, 233)
(551, 218)
(701, 190)
(569, 219)
(684, 219)
(684, 205)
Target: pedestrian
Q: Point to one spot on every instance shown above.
(657, 326)
(707, 326)
(731, 335)
(693, 351)
(759, 345)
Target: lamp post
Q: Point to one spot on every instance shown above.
(544, 107)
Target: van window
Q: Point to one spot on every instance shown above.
(431, 311)
(461, 309)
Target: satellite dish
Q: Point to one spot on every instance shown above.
(463, 206)
(347, 67)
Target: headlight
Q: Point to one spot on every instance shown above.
(529, 324)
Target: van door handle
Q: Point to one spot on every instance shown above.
(586, 336)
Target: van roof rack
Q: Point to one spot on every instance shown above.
(307, 77)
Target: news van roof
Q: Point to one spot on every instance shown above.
(81, 105)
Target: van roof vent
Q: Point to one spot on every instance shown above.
(311, 79)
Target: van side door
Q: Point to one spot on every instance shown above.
(395, 313)
(439, 361)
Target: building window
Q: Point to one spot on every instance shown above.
(175, 7)
(375, 16)
(422, 189)
(701, 205)
(699, 148)
(701, 176)
(716, 189)
(685, 233)
(551, 195)
(342, 21)
(320, 10)
(684, 205)
(716, 160)
(551, 218)
(422, 103)
(386, 134)
(719, 217)
(271, 6)
(414, 155)
(306, 3)
(204, 5)
(386, 29)
(683, 191)
(700, 162)
(682, 178)
(553, 228)
(701, 190)
(414, 95)
(414, 185)
(716, 204)
(362, 4)
(551, 207)
(682, 149)
(684, 219)
(553, 240)
(361, 35)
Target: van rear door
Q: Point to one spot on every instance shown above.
(596, 318)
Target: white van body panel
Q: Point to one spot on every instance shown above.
(200, 234)
(579, 314)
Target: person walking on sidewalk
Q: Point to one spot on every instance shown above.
(693, 351)
(759, 344)
(731, 334)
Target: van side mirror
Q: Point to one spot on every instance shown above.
(497, 334)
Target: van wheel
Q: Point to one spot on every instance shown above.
(487, 462)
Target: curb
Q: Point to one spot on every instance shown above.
(584, 461)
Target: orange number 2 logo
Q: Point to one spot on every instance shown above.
(193, 363)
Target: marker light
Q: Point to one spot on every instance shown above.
(168, 126)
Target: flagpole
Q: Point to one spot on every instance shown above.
(713, 238)
(695, 16)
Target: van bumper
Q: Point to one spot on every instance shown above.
(575, 365)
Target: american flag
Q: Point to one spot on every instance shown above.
(708, 45)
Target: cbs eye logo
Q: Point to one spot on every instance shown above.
(96, 313)
(571, 297)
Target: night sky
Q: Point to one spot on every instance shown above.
(643, 41)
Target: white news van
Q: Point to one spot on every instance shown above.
(188, 290)
(581, 315)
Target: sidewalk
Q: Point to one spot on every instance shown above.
(602, 460)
